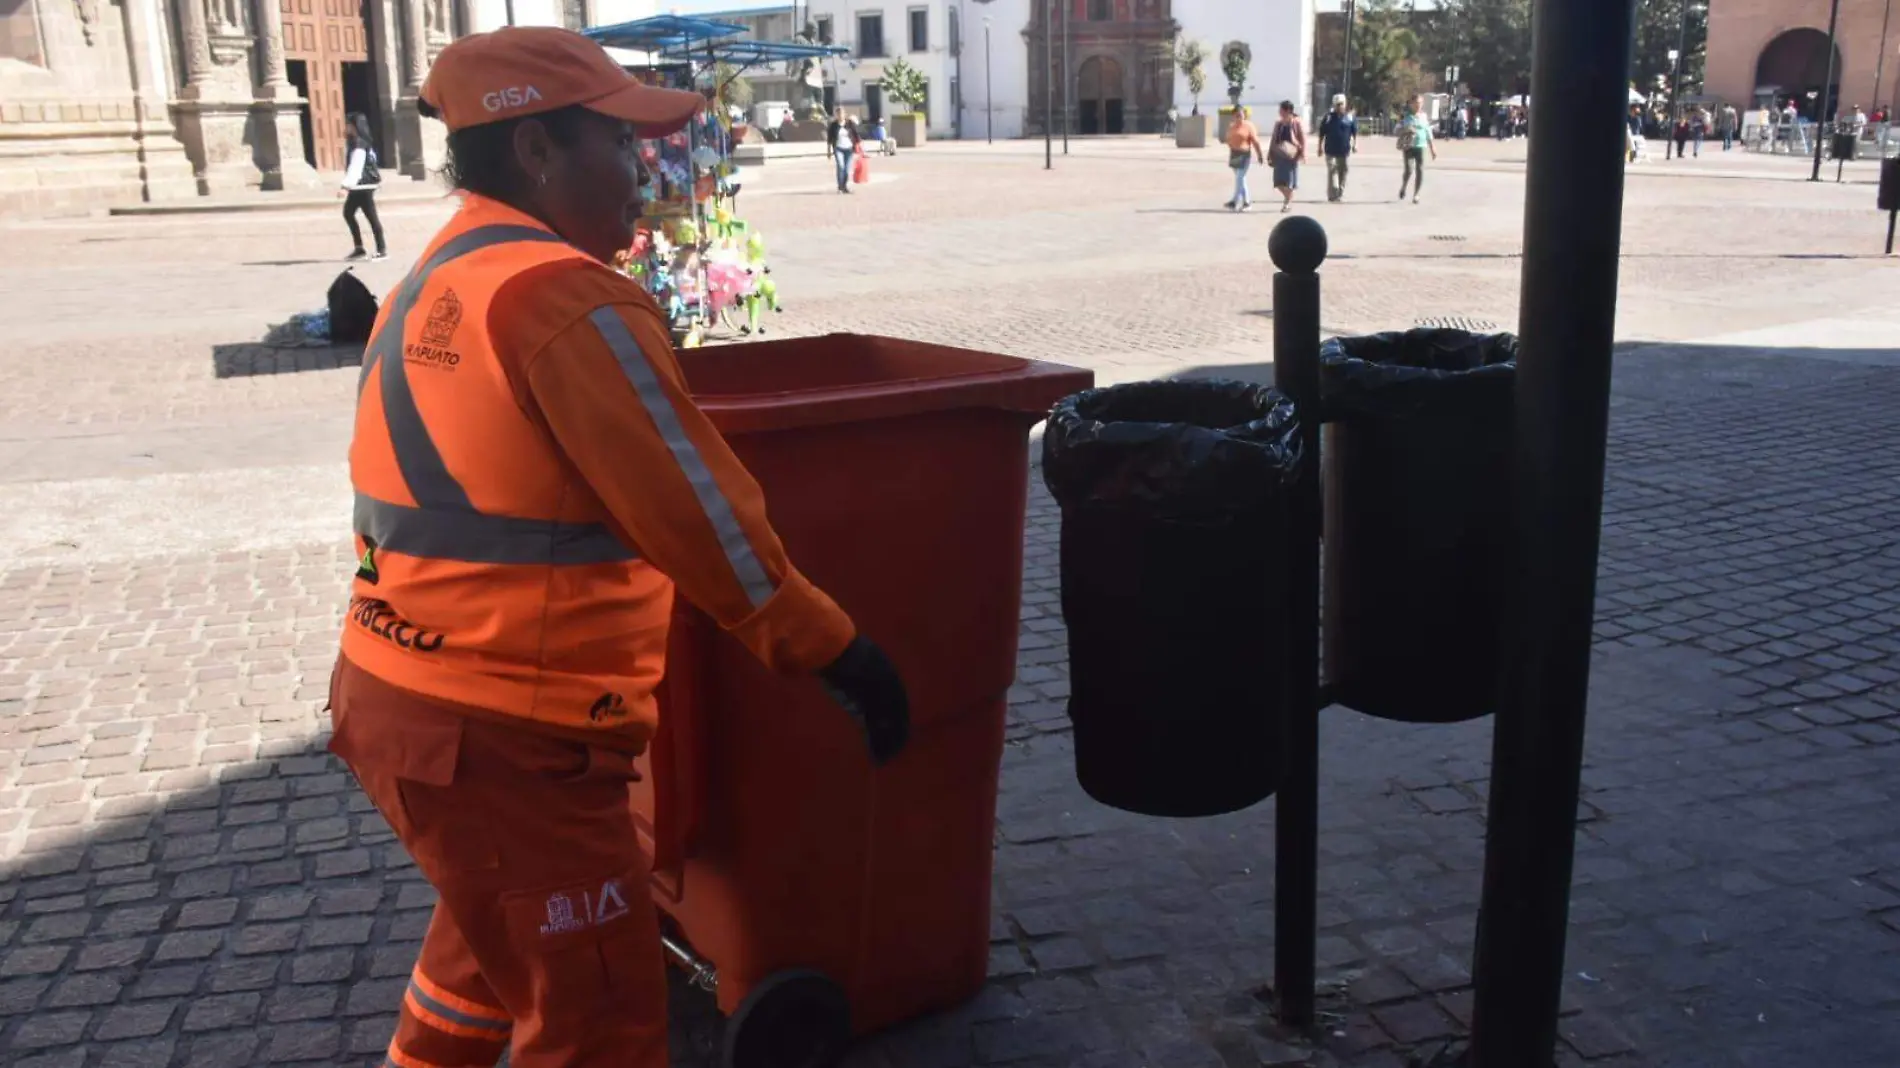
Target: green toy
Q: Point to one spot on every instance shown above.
(764, 294)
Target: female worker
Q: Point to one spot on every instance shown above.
(532, 483)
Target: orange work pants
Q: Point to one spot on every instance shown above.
(544, 941)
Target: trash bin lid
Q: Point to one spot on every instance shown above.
(840, 378)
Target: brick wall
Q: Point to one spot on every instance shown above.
(1740, 29)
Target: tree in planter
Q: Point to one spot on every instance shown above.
(1235, 59)
(733, 88)
(1191, 57)
(905, 84)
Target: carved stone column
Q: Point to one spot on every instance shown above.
(165, 173)
(198, 66)
(422, 142)
(276, 111)
(213, 111)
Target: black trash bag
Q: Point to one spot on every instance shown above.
(1418, 520)
(352, 310)
(1174, 579)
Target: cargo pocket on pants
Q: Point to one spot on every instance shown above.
(594, 950)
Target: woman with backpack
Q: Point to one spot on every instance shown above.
(361, 178)
(1415, 139)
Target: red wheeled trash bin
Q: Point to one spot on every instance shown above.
(823, 898)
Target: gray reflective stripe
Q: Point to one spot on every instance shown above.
(476, 538)
(712, 500)
(421, 463)
(500, 1028)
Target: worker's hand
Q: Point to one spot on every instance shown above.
(865, 683)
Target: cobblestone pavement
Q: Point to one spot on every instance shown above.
(185, 879)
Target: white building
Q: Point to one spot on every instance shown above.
(995, 62)
(931, 35)
(1278, 32)
(1118, 75)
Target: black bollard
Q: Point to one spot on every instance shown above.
(1298, 247)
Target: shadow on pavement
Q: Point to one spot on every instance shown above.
(267, 916)
(285, 355)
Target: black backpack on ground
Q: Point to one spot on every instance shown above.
(352, 310)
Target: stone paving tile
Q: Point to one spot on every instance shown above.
(1728, 882)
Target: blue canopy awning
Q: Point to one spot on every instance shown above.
(662, 33)
(744, 52)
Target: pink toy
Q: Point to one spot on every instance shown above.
(726, 285)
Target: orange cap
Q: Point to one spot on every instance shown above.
(528, 70)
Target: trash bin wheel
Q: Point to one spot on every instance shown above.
(794, 1019)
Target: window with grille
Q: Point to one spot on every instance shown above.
(871, 36)
(956, 33)
(919, 29)
(1101, 10)
(824, 29)
(20, 32)
(574, 14)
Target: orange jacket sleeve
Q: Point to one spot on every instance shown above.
(613, 397)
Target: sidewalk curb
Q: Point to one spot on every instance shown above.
(266, 202)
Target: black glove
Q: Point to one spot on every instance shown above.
(865, 683)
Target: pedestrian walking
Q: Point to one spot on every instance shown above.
(1289, 150)
(1174, 117)
(842, 136)
(1415, 139)
(1698, 129)
(361, 178)
(1727, 125)
(1338, 140)
(533, 485)
(1681, 136)
(1243, 151)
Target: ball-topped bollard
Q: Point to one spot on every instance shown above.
(1298, 244)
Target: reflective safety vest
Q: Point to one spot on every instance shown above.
(488, 573)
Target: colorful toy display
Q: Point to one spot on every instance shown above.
(701, 262)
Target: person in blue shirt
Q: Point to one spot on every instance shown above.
(1339, 139)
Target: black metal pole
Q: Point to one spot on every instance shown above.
(1298, 247)
(1827, 90)
(1567, 322)
(1345, 74)
(1880, 65)
(1675, 75)
(508, 9)
(1068, 82)
(989, 102)
(1048, 89)
(1892, 218)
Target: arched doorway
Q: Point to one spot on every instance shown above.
(1099, 96)
(1795, 63)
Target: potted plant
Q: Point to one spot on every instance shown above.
(1235, 59)
(1196, 130)
(905, 85)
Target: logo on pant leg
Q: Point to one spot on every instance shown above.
(561, 918)
(596, 909)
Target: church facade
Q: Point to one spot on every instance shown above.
(113, 102)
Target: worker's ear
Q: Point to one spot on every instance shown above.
(534, 150)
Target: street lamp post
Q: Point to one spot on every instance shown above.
(1567, 320)
(1827, 90)
(1048, 87)
(1345, 75)
(1880, 65)
(1068, 83)
(989, 102)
